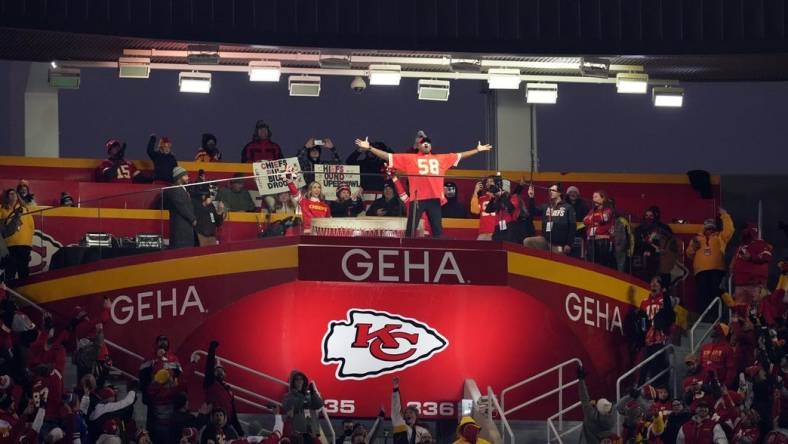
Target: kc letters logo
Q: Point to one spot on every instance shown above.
(372, 343)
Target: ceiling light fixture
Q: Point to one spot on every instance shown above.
(541, 92)
(133, 68)
(195, 82)
(668, 97)
(304, 86)
(437, 90)
(385, 75)
(503, 78)
(632, 83)
(264, 71)
(64, 78)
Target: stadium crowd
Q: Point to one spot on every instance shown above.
(734, 391)
(37, 406)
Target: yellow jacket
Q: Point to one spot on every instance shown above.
(460, 440)
(710, 254)
(23, 237)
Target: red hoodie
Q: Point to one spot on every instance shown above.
(755, 270)
(718, 357)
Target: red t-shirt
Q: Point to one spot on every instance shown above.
(426, 172)
(125, 173)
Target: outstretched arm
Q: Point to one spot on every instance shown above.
(479, 148)
(365, 146)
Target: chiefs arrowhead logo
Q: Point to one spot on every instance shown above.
(372, 343)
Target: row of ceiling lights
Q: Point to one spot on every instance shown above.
(391, 75)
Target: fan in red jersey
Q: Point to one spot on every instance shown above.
(426, 171)
(116, 168)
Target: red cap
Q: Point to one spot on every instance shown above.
(111, 143)
(106, 394)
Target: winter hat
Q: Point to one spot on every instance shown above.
(604, 406)
(162, 376)
(710, 223)
(110, 143)
(573, 188)
(190, 433)
(23, 183)
(342, 186)
(207, 137)
(66, 199)
(165, 142)
(699, 403)
(262, 124)
(177, 172)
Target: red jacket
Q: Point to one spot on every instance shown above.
(221, 395)
(258, 150)
(755, 270)
(125, 173)
(599, 223)
(309, 208)
(718, 357)
(773, 307)
(699, 432)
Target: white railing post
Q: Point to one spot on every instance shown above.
(664, 350)
(561, 397)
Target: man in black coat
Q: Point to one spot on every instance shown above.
(179, 203)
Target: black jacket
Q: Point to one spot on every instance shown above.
(162, 163)
(348, 208)
(561, 218)
(393, 207)
(178, 201)
(207, 218)
(308, 166)
(370, 167)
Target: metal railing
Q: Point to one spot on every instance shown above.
(667, 351)
(109, 343)
(716, 303)
(559, 368)
(264, 398)
(504, 423)
(552, 430)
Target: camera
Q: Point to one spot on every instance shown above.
(358, 84)
(318, 142)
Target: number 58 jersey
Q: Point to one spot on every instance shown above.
(425, 172)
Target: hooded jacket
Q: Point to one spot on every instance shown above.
(709, 254)
(559, 222)
(308, 165)
(755, 270)
(460, 439)
(300, 401)
(370, 167)
(595, 425)
(204, 155)
(452, 207)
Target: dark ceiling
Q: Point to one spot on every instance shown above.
(686, 40)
